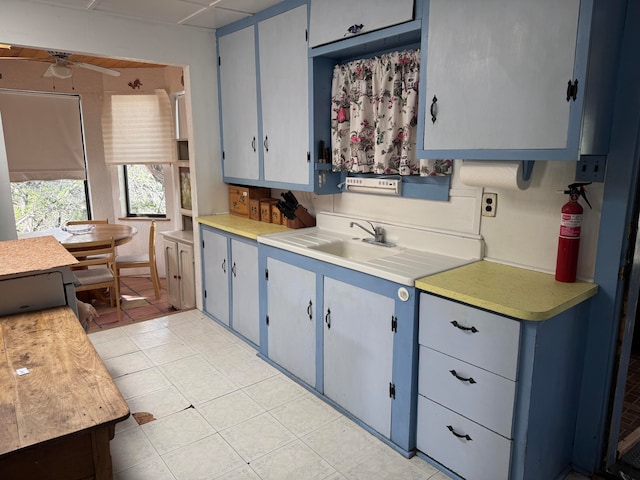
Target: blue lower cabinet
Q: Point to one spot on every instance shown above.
(230, 281)
(348, 336)
(498, 396)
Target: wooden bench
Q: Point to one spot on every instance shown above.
(56, 421)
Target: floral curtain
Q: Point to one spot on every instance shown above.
(374, 116)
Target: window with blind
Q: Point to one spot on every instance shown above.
(44, 144)
(138, 134)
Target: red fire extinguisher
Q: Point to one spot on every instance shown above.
(569, 241)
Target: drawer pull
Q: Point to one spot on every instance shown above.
(462, 327)
(327, 318)
(462, 379)
(310, 310)
(459, 435)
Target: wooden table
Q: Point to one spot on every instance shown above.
(101, 232)
(56, 421)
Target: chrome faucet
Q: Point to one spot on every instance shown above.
(377, 233)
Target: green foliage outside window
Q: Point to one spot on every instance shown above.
(41, 205)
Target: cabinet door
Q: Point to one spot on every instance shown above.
(291, 301)
(331, 19)
(239, 104)
(358, 352)
(244, 280)
(187, 276)
(216, 278)
(499, 71)
(171, 265)
(285, 96)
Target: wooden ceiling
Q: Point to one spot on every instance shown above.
(42, 55)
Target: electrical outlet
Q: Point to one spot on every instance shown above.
(489, 204)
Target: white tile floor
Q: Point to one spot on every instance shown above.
(223, 413)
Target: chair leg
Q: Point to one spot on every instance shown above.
(117, 289)
(155, 279)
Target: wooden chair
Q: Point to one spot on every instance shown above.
(87, 222)
(95, 270)
(143, 260)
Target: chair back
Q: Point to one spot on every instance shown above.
(94, 253)
(87, 222)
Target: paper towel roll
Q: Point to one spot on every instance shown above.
(495, 174)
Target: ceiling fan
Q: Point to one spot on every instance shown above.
(61, 68)
(61, 64)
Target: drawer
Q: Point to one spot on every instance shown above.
(477, 394)
(481, 338)
(463, 446)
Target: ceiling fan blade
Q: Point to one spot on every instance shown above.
(14, 58)
(48, 72)
(96, 68)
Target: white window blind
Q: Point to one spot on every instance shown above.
(43, 136)
(138, 129)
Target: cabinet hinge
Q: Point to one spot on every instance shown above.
(394, 323)
(392, 390)
(266, 274)
(202, 243)
(267, 320)
(308, 157)
(205, 294)
(306, 35)
(223, 154)
(219, 61)
(572, 90)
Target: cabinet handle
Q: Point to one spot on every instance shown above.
(459, 435)
(327, 318)
(253, 144)
(224, 265)
(434, 109)
(310, 310)
(353, 29)
(572, 90)
(266, 143)
(233, 269)
(466, 329)
(462, 379)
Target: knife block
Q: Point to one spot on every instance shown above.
(303, 219)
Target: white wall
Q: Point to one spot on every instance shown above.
(524, 231)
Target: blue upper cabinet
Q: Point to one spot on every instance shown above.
(263, 70)
(334, 20)
(517, 80)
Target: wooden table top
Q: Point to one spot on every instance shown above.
(101, 232)
(68, 389)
